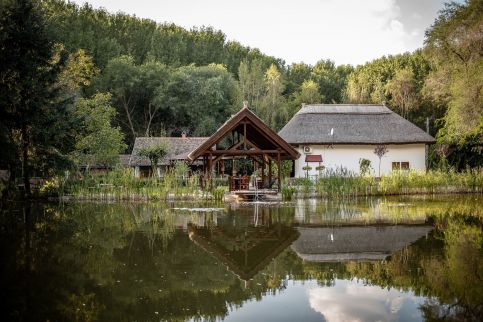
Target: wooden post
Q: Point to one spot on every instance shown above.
(269, 173)
(263, 171)
(210, 166)
(279, 172)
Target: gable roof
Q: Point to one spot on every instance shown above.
(258, 131)
(178, 148)
(262, 245)
(351, 124)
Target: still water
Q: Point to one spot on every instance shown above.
(390, 259)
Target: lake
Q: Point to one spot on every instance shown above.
(383, 259)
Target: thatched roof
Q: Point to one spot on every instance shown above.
(355, 243)
(178, 148)
(124, 160)
(351, 124)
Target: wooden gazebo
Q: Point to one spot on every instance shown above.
(248, 136)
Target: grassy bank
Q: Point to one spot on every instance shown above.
(121, 184)
(335, 184)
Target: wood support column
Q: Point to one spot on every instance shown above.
(279, 172)
(210, 169)
(269, 173)
(263, 171)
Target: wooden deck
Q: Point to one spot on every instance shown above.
(258, 194)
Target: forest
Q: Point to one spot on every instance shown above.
(78, 84)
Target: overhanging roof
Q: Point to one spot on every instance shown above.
(257, 132)
(351, 124)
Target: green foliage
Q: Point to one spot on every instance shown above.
(365, 167)
(35, 123)
(345, 184)
(288, 192)
(219, 192)
(154, 153)
(201, 98)
(402, 90)
(97, 142)
(331, 80)
(138, 93)
(454, 44)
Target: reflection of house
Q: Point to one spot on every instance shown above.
(356, 243)
(343, 134)
(246, 251)
(178, 150)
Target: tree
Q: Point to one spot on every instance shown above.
(272, 106)
(308, 93)
(27, 77)
(98, 142)
(297, 74)
(137, 93)
(251, 82)
(154, 154)
(453, 44)
(380, 151)
(331, 80)
(200, 99)
(402, 90)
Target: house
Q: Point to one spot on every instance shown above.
(242, 146)
(338, 136)
(178, 149)
(101, 167)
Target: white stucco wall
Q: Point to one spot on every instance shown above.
(348, 156)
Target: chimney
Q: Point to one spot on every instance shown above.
(183, 134)
(303, 105)
(245, 104)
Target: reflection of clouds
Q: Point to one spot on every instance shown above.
(352, 301)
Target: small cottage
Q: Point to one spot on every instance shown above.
(338, 136)
(178, 149)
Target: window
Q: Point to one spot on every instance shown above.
(400, 166)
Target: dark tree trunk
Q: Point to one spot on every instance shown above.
(25, 148)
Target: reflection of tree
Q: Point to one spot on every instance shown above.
(126, 262)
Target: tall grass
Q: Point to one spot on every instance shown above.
(342, 183)
(121, 184)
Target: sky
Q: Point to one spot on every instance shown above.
(345, 31)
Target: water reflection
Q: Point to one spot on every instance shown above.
(359, 243)
(372, 259)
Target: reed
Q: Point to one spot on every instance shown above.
(342, 183)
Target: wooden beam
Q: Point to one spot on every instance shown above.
(245, 135)
(241, 152)
(256, 147)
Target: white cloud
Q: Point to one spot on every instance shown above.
(349, 301)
